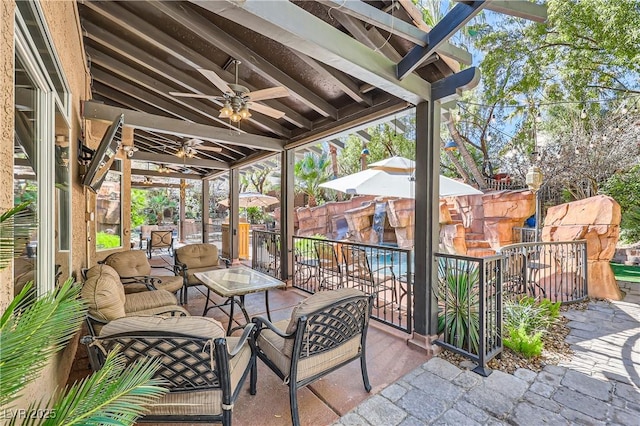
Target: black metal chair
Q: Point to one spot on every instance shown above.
(358, 272)
(205, 370)
(329, 268)
(160, 240)
(326, 331)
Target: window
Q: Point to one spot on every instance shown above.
(109, 210)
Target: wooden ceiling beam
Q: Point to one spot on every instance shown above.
(341, 80)
(184, 162)
(298, 29)
(521, 9)
(154, 86)
(131, 24)
(219, 38)
(455, 19)
(141, 120)
(155, 173)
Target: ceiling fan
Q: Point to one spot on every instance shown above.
(190, 148)
(238, 100)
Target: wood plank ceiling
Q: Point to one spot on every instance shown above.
(141, 51)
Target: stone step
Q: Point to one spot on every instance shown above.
(478, 244)
(473, 236)
(480, 252)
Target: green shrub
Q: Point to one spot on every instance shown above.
(107, 241)
(306, 246)
(521, 341)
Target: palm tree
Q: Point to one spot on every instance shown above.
(310, 172)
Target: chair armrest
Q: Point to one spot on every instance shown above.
(173, 310)
(246, 335)
(227, 262)
(141, 279)
(180, 269)
(390, 267)
(263, 323)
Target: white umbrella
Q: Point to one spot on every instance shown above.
(393, 183)
(252, 199)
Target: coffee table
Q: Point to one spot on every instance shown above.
(235, 283)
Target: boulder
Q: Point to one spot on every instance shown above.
(596, 220)
(401, 217)
(452, 239)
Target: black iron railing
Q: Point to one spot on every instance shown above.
(469, 297)
(556, 271)
(384, 271)
(265, 252)
(525, 235)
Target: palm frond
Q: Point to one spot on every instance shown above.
(114, 395)
(31, 332)
(16, 225)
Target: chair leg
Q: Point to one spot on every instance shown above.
(365, 375)
(293, 402)
(226, 417)
(253, 377)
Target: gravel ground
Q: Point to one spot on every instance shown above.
(555, 349)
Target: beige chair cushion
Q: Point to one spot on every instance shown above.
(204, 327)
(104, 294)
(198, 255)
(187, 403)
(136, 302)
(100, 269)
(274, 348)
(129, 263)
(313, 303)
(145, 230)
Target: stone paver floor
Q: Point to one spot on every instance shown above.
(600, 385)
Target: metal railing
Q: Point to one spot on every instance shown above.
(469, 298)
(556, 271)
(525, 235)
(265, 252)
(384, 271)
(503, 184)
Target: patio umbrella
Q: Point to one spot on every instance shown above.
(393, 177)
(252, 199)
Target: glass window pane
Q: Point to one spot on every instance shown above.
(109, 210)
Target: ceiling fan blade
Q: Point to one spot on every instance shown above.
(266, 110)
(194, 142)
(209, 148)
(216, 80)
(195, 95)
(270, 93)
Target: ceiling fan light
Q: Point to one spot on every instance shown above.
(244, 113)
(226, 111)
(235, 117)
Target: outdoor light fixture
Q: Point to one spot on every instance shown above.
(129, 150)
(147, 181)
(186, 152)
(451, 146)
(365, 151)
(163, 169)
(534, 178)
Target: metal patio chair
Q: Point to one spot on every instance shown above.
(160, 240)
(358, 273)
(326, 331)
(329, 268)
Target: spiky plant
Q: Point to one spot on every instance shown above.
(31, 331)
(16, 224)
(459, 303)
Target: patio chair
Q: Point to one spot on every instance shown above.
(135, 273)
(358, 272)
(194, 258)
(325, 332)
(268, 255)
(106, 300)
(159, 240)
(145, 233)
(205, 370)
(329, 269)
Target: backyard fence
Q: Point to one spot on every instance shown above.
(469, 298)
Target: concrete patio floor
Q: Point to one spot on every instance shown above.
(321, 403)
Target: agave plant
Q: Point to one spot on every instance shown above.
(32, 331)
(459, 303)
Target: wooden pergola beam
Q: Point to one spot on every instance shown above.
(177, 161)
(441, 32)
(140, 120)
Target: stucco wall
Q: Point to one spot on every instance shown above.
(63, 24)
(6, 131)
